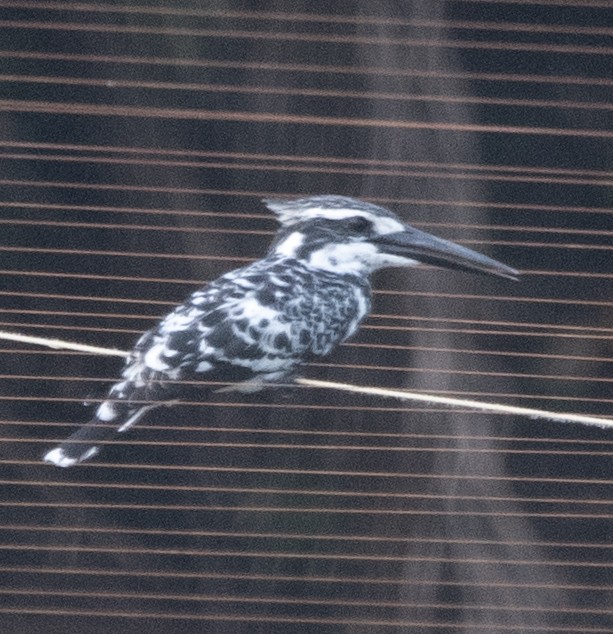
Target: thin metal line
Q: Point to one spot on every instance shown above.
(284, 37)
(566, 3)
(72, 224)
(231, 618)
(567, 329)
(328, 447)
(509, 298)
(237, 259)
(421, 369)
(443, 393)
(452, 320)
(309, 168)
(264, 65)
(508, 353)
(258, 194)
(303, 92)
(302, 578)
(227, 14)
(298, 406)
(142, 227)
(311, 385)
(114, 110)
(135, 331)
(168, 304)
(286, 600)
(399, 347)
(293, 158)
(108, 253)
(404, 317)
(290, 555)
(310, 492)
(405, 348)
(343, 434)
(325, 472)
(506, 206)
(75, 224)
(191, 533)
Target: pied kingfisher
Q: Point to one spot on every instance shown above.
(256, 325)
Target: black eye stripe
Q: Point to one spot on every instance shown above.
(359, 224)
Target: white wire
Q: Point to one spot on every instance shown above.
(560, 417)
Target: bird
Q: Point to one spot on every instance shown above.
(257, 325)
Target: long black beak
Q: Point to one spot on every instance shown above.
(424, 247)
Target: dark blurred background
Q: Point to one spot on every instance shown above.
(136, 141)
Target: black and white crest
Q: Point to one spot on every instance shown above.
(298, 210)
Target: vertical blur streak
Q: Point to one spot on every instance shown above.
(460, 581)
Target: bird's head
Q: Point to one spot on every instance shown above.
(349, 236)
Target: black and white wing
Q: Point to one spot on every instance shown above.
(250, 327)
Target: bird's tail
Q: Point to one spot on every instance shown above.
(112, 417)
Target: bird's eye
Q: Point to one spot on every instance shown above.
(359, 224)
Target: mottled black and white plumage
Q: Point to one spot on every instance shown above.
(257, 324)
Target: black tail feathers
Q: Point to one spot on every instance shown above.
(81, 445)
(111, 419)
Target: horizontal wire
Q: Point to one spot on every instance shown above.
(353, 580)
(367, 345)
(72, 224)
(204, 191)
(560, 330)
(569, 333)
(116, 110)
(71, 327)
(302, 620)
(242, 89)
(317, 18)
(342, 434)
(345, 408)
(415, 393)
(260, 619)
(235, 231)
(301, 37)
(276, 406)
(299, 510)
(506, 206)
(421, 369)
(308, 556)
(292, 158)
(169, 304)
(397, 347)
(310, 492)
(326, 537)
(367, 327)
(66, 224)
(328, 447)
(271, 599)
(292, 67)
(246, 260)
(18, 337)
(578, 4)
(470, 172)
(308, 159)
(504, 353)
(392, 475)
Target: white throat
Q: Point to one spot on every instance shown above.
(357, 258)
